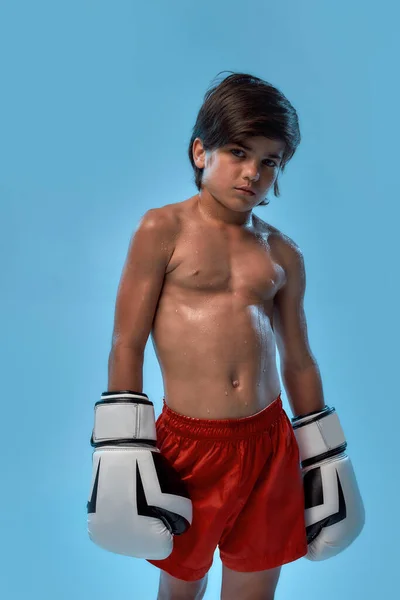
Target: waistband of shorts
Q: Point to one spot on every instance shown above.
(222, 428)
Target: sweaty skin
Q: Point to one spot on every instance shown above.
(219, 290)
(213, 327)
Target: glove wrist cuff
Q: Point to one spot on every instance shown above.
(319, 437)
(124, 417)
(120, 395)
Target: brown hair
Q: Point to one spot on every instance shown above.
(243, 106)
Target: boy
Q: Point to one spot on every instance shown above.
(218, 289)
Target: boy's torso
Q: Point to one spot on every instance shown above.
(213, 327)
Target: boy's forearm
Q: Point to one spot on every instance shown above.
(304, 389)
(125, 369)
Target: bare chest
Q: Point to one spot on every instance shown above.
(217, 261)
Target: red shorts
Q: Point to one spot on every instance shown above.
(244, 480)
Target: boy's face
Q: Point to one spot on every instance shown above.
(254, 163)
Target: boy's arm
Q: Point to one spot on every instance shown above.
(299, 370)
(334, 510)
(138, 293)
(137, 501)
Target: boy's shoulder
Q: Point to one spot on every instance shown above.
(166, 216)
(171, 211)
(284, 249)
(276, 237)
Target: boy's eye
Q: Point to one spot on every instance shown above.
(272, 164)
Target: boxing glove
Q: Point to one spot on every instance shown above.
(137, 501)
(334, 511)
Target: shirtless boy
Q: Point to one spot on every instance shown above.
(219, 289)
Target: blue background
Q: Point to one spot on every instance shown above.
(96, 108)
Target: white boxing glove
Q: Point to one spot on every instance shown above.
(137, 500)
(334, 510)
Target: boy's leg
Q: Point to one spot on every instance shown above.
(171, 588)
(268, 529)
(260, 585)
